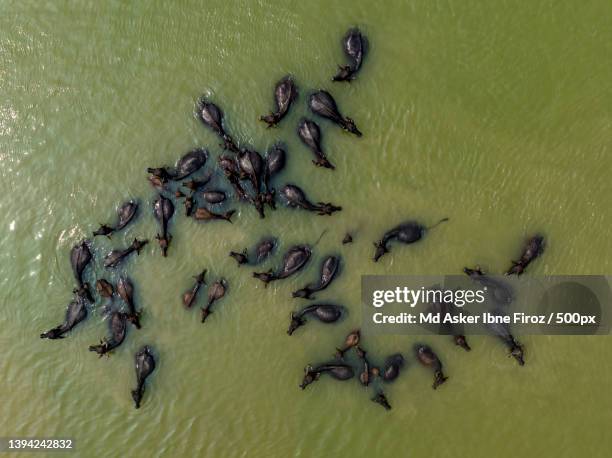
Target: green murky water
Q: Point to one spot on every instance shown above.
(496, 114)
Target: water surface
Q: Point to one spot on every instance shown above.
(495, 114)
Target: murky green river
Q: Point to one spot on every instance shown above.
(495, 114)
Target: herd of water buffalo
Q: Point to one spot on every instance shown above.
(250, 177)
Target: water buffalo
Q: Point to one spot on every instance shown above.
(104, 229)
(284, 95)
(365, 377)
(80, 257)
(157, 183)
(214, 196)
(163, 209)
(163, 174)
(533, 249)
(427, 357)
(293, 261)
(230, 169)
(117, 325)
(264, 248)
(212, 117)
(326, 313)
(443, 309)
(261, 251)
(190, 163)
(310, 134)
(251, 166)
(104, 288)
(338, 371)
(391, 369)
(296, 197)
(145, 365)
(323, 104)
(125, 288)
(408, 232)
(461, 341)
(189, 297)
(353, 45)
(240, 257)
(233, 174)
(204, 214)
(189, 205)
(215, 292)
(116, 257)
(195, 185)
(351, 340)
(329, 269)
(274, 162)
(381, 399)
(502, 331)
(75, 313)
(497, 290)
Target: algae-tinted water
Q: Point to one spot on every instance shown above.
(495, 114)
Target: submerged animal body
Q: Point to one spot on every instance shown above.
(428, 358)
(240, 257)
(284, 95)
(214, 197)
(310, 134)
(189, 297)
(296, 198)
(293, 261)
(326, 313)
(274, 162)
(125, 289)
(338, 371)
(353, 45)
(251, 166)
(497, 290)
(212, 117)
(231, 171)
(381, 399)
(117, 325)
(80, 257)
(215, 292)
(329, 269)
(351, 341)
(190, 163)
(104, 288)
(125, 214)
(391, 369)
(204, 214)
(163, 210)
(75, 313)
(116, 257)
(533, 249)
(442, 309)
(264, 249)
(261, 251)
(502, 331)
(323, 104)
(145, 365)
(406, 233)
(367, 373)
